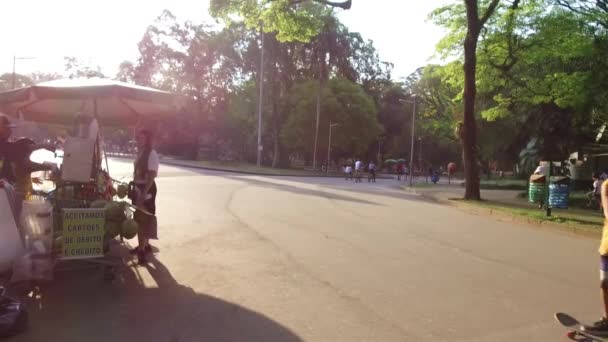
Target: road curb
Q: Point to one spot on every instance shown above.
(198, 167)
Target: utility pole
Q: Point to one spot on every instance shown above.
(14, 78)
(14, 74)
(260, 99)
(412, 144)
(412, 141)
(329, 146)
(319, 90)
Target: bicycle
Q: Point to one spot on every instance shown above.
(357, 176)
(371, 177)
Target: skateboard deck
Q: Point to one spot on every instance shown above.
(574, 331)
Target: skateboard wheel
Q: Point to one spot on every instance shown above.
(571, 334)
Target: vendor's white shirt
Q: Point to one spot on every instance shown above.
(153, 162)
(358, 165)
(153, 165)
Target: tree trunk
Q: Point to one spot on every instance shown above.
(469, 134)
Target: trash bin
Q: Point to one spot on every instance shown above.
(559, 192)
(536, 189)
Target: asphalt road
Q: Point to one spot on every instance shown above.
(248, 258)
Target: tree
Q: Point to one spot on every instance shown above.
(21, 81)
(594, 12)
(126, 72)
(539, 77)
(292, 20)
(6, 81)
(344, 103)
(76, 68)
(38, 77)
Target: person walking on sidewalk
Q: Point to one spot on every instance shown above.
(372, 172)
(348, 172)
(594, 196)
(600, 327)
(358, 170)
(400, 173)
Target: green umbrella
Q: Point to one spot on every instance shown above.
(390, 161)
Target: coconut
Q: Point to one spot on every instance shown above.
(129, 228)
(99, 204)
(115, 211)
(112, 228)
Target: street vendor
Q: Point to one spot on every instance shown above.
(144, 197)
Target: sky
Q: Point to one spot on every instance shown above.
(41, 32)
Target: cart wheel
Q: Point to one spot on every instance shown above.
(571, 334)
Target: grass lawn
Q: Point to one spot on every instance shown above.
(419, 185)
(573, 218)
(503, 184)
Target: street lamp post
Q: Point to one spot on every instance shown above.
(412, 141)
(14, 79)
(260, 99)
(329, 146)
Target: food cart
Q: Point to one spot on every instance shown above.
(87, 209)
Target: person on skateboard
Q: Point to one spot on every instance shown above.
(600, 328)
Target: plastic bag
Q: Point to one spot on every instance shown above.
(13, 316)
(36, 224)
(30, 267)
(11, 241)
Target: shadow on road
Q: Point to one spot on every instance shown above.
(393, 191)
(81, 306)
(298, 190)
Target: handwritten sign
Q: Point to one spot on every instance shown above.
(83, 231)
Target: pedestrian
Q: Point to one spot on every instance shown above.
(540, 169)
(348, 170)
(145, 171)
(372, 172)
(400, 168)
(604, 175)
(600, 327)
(594, 196)
(358, 170)
(435, 177)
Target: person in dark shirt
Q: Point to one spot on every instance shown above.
(15, 164)
(23, 167)
(8, 151)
